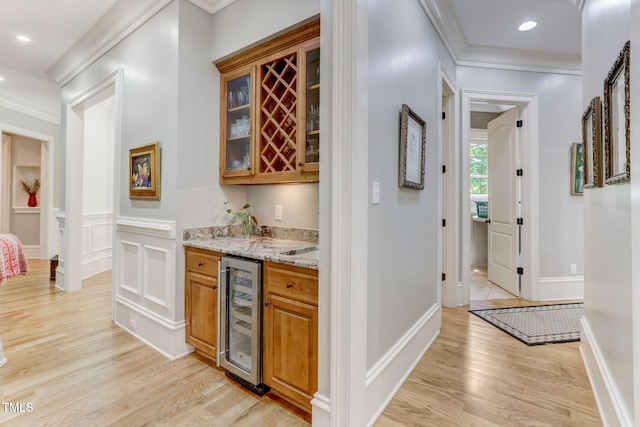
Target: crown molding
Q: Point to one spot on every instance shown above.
(212, 6)
(20, 106)
(445, 22)
(120, 21)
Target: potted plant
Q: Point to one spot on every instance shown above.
(244, 216)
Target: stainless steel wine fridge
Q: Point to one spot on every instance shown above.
(240, 333)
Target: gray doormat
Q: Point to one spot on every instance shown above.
(541, 324)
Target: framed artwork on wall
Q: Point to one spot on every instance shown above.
(592, 144)
(577, 169)
(413, 141)
(144, 172)
(617, 139)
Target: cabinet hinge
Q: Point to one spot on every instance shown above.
(520, 271)
(519, 123)
(520, 221)
(444, 169)
(444, 222)
(444, 277)
(444, 115)
(519, 172)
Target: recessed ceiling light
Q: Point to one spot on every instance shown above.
(1, 79)
(23, 38)
(526, 26)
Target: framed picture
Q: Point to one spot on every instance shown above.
(577, 169)
(592, 144)
(617, 140)
(413, 140)
(144, 172)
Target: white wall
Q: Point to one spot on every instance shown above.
(559, 115)
(99, 127)
(607, 326)
(404, 51)
(148, 298)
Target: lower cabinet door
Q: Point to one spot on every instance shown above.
(201, 305)
(291, 349)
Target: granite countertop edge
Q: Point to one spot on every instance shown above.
(258, 247)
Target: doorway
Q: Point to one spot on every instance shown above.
(91, 193)
(27, 156)
(527, 160)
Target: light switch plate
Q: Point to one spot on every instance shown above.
(375, 193)
(277, 213)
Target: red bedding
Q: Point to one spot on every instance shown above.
(12, 259)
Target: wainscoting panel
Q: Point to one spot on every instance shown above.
(146, 284)
(97, 238)
(129, 276)
(157, 270)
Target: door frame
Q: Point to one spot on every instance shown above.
(71, 245)
(47, 161)
(528, 158)
(449, 151)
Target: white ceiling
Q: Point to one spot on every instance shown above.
(476, 32)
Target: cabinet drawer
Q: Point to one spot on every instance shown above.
(202, 262)
(292, 282)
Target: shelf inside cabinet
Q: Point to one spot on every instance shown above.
(241, 108)
(314, 87)
(238, 138)
(313, 132)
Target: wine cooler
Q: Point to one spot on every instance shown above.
(240, 333)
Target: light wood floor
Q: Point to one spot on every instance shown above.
(476, 375)
(74, 366)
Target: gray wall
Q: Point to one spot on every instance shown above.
(149, 58)
(404, 51)
(608, 221)
(559, 115)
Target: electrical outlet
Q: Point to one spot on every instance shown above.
(574, 269)
(132, 322)
(277, 215)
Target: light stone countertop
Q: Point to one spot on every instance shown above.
(263, 248)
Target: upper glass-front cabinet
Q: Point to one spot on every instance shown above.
(269, 112)
(310, 151)
(237, 125)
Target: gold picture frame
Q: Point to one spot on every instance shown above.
(592, 143)
(144, 172)
(617, 120)
(413, 141)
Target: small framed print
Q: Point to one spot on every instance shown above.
(617, 138)
(413, 140)
(144, 172)
(577, 169)
(592, 144)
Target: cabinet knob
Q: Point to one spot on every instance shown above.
(249, 168)
(266, 303)
(215, 287)
(300, 164)
(200, 264)
(289, 285)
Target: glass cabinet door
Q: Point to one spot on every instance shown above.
(237, 124)
(240, 318)
(311, 152)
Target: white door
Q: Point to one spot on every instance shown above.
(503, 202)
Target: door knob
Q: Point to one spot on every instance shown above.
(488, 221)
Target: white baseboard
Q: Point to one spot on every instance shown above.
(91, 267)
(386, 377)
(321, 413)
(561, 288)
(610, 404)
(31, 251)
(166, 337)
(60, 278)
